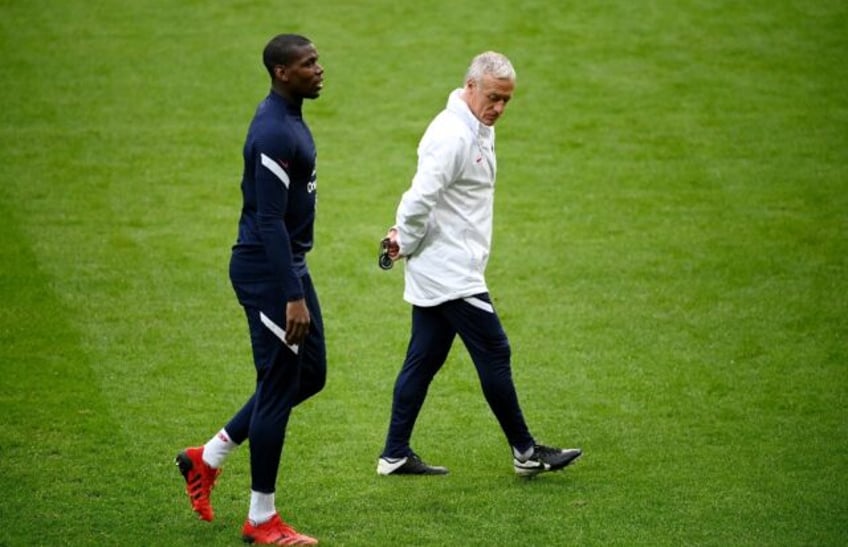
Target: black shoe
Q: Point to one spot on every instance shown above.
(410, 465)
(545, 458)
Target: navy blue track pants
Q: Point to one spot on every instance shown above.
(284, 378)
(433, 330)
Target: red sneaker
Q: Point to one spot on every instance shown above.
(274, 532)
(200, 479)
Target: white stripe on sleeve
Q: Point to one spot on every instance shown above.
(275, 168)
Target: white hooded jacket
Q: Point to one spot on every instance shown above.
(444, 220)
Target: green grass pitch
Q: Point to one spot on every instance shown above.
(671, 234)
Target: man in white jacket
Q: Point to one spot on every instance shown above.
(443, 228)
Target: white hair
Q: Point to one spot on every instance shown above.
(492, 63)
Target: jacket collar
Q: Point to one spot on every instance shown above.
(293, 109)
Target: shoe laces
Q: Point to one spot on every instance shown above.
(542, 450)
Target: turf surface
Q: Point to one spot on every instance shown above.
(669, 263)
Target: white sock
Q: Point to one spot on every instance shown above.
(522, 456)
(218, 448)
(262, 507)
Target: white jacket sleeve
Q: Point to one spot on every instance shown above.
(441, 155)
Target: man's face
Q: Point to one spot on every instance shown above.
(487, 100)
(303, 75)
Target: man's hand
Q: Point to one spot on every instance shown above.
(297, 322)
(393, 247)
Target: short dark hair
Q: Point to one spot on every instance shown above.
(281, 49)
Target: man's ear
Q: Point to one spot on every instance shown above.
(280, 72)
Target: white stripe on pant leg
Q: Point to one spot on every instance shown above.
(278, 332)
(480, 304)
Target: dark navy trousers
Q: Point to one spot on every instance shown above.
(433, 330)
(284, 378)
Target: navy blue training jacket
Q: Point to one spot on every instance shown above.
(279, 188)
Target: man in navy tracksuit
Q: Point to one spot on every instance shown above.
(271, 280)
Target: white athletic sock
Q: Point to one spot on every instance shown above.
(262, 507)
(218, 448)
(522, 456)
